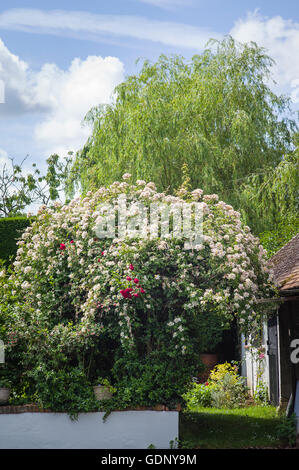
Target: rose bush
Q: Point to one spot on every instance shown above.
(137, 311)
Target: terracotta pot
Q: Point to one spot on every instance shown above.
(4, 395)
(102, 392)
(209, 361)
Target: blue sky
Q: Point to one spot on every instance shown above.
(59, 58)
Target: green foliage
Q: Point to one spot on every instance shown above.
(261, 394)
(19, 189)
(198, 395)
(214, 115)
(272, 197)
(11, 229)
(5, 377)
(287, 429)
(229, 392)
(65, 390)
(224, 389)
(284, 231)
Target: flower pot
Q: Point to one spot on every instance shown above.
(4, 395)
(209, 361)
(102, 392)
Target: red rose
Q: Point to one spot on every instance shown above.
(131, 267)
(136, 295)
(136, 280)
(126, 293)
(72, 241)
(142, 290)
(128, 278)
(62, 246)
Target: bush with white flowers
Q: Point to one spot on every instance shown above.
(137, 310)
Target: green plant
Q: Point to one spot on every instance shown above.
(5, 383)
(198, 395)
(221, 370)
(261, 394)
(11, 229)
(174, 444)
(65, 390)
(229, 392)
(105, 383)
(287, 429)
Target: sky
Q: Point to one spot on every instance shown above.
(60, 58)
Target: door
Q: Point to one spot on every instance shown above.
(273, 361)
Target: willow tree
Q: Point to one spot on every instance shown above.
(214, 114)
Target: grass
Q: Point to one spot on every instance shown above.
(240, 428)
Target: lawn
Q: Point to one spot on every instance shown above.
(240, 428)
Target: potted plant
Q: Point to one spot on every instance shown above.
(4, 390)
(103, 390)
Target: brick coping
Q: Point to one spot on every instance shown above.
(32, 408)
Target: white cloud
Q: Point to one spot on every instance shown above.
(93, 26)
(14, 74)
(69, 95)
(281, 39)
(168, 4)
(61, 97)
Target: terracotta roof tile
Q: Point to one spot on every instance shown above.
(285, 264)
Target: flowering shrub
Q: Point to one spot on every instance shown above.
(137, 311)
(199, 395)
(224, 389)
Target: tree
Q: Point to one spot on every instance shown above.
(19, 190)
(216, 114)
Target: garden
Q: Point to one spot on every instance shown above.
(131, 314)
(96, 317)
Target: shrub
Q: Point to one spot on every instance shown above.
(229, 392)
(199, 395)
(287, 429)
(129, 309)
(11, 229)
(224, 389)
(221, 370)
(65, 390)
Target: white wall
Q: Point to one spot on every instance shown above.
(122, 430)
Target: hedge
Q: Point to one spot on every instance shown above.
(11, 228)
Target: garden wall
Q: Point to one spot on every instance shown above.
(121, 430)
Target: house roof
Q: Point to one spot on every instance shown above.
(285, 264)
